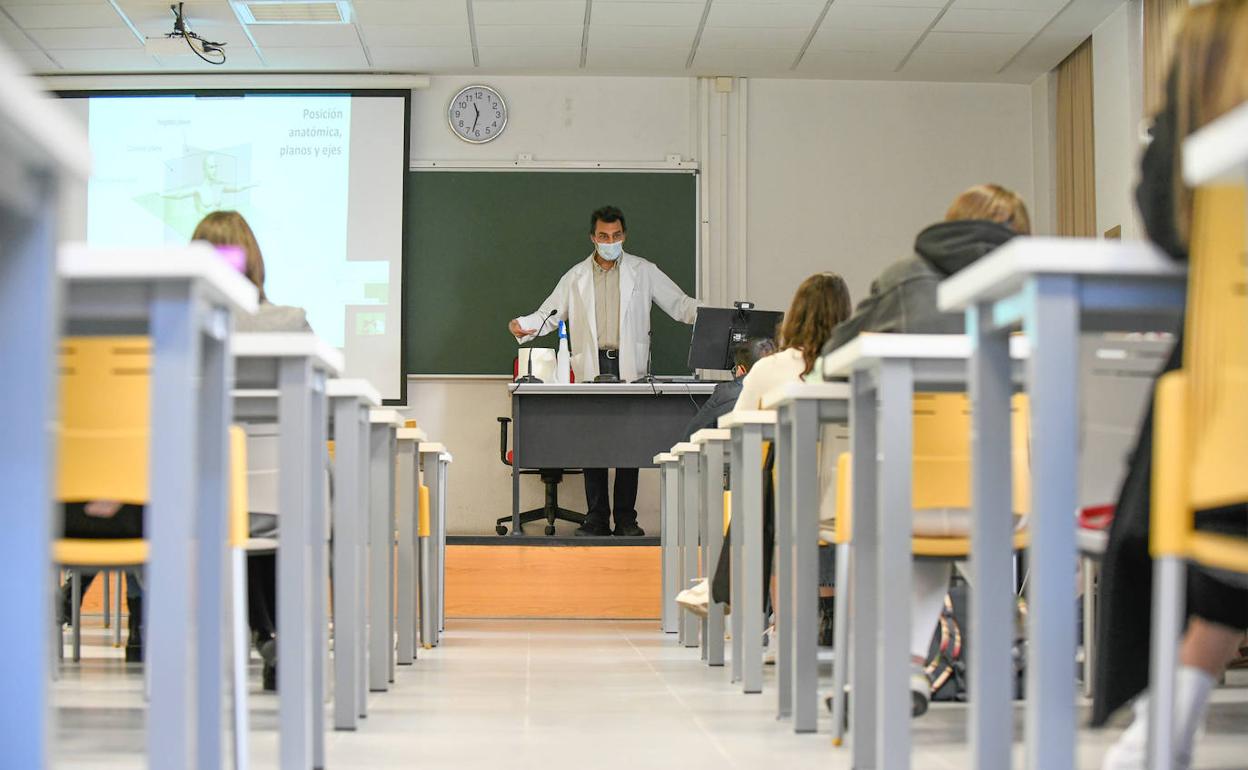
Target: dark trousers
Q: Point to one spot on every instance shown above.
(598, 500)
(126, 524)
(262, 594)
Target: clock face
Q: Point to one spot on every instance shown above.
(477, 114)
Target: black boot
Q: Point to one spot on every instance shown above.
(827, 617)
(268, 653)
(134, 640)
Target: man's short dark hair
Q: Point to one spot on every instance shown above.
(751, 351)
(606, 214)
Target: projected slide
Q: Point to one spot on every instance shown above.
(284, 162)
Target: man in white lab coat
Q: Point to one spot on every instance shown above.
(605, 300)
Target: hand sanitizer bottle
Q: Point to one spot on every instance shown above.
(563, 359)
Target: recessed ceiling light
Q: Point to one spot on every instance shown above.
(292, 11)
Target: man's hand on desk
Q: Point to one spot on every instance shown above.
(516, 330)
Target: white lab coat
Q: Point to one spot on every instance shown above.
(641, 282)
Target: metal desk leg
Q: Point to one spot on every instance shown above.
(427, 626)
(117, 598)
(864, 573)
(346, 570)
(751, 531)
(419, 565)
(361, 519)
(1052, 325)
(294, 574)
(703, 546)
(689, 541)
(670, 550)
(713, 496)
(804, 470)
(992, 612)
(784, 565)
(737, 524)
(170, 526)
(1088, 570)
(29, 326)
(409, 496)
(318, 563)
(380, 537)
(439, 574)
(896, 516)
(105, 604)
(215, 414)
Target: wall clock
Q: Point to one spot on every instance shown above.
(477, 114)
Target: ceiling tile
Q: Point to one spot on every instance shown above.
(530, 57)
(107, 60)
(1017, 5)
(997, 46)
(629, 59)
(528, 11)
(270, 36)
(655, 14)
(36, 61)
(422, 59)
(332, 58)
(392, 12)
(78, 16)
(85, 39)
(215, 23)
(895, 3)
(754, 37)
(865, 41)
(981, 20)
(881, 18)
(940, 65)
(416, 36)
(743, 62)
(13, 38)
(847, 64)
(527, 35)
(629, 37)
(237, 59)
(764, 15)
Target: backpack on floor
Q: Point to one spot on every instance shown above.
(948, 656)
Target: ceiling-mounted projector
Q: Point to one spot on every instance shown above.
(176, 42)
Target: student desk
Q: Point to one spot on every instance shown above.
(407, 492)
(589, 425)
(298, 365)
(884, 372)
(1051, 289)
(749, 429)
(687, 533)
(801, 409)
(669, 485)
(434, 462)
(44, 150)
(715, 449)
(349, 402)
(382, 453)
(184, 300)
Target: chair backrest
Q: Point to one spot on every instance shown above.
(239, 518)
(105, 418)
(942, 451)
(1215, 353)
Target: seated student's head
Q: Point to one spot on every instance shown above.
(992, 203)
(821, 302)
(749, 352)
(228, 228)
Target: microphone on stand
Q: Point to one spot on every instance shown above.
(649, 375)
(529, 377)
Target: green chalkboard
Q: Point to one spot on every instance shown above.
(482, 247)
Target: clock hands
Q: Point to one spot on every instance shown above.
(477, 118)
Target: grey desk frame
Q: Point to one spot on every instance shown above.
(383, 448)
(669, 505)
(434, 462)
(299, 366)
(1051, 289)
(801, 411)
(349, 404)
(407, 490)
(687, 535)
(749, 430)
(716, 448)
(184, 300)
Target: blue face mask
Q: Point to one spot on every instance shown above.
(610, 251)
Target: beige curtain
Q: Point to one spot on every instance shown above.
(1159, 19)
(1076, 151)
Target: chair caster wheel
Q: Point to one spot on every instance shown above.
(550, 529)
(500, 529)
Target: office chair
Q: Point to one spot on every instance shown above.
(551, 477)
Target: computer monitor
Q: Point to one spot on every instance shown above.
(718, 331)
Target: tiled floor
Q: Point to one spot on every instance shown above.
(558, 694)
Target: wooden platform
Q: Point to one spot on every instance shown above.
(518, 581)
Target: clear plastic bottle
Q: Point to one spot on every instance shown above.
(563, 359)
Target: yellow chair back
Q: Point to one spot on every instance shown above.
(104, 419)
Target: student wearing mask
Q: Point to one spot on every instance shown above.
(1208, 78)
(903, 301)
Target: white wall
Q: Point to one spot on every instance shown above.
(842, 174)
(1117, 71)
(1044, 154)
(839, 176)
